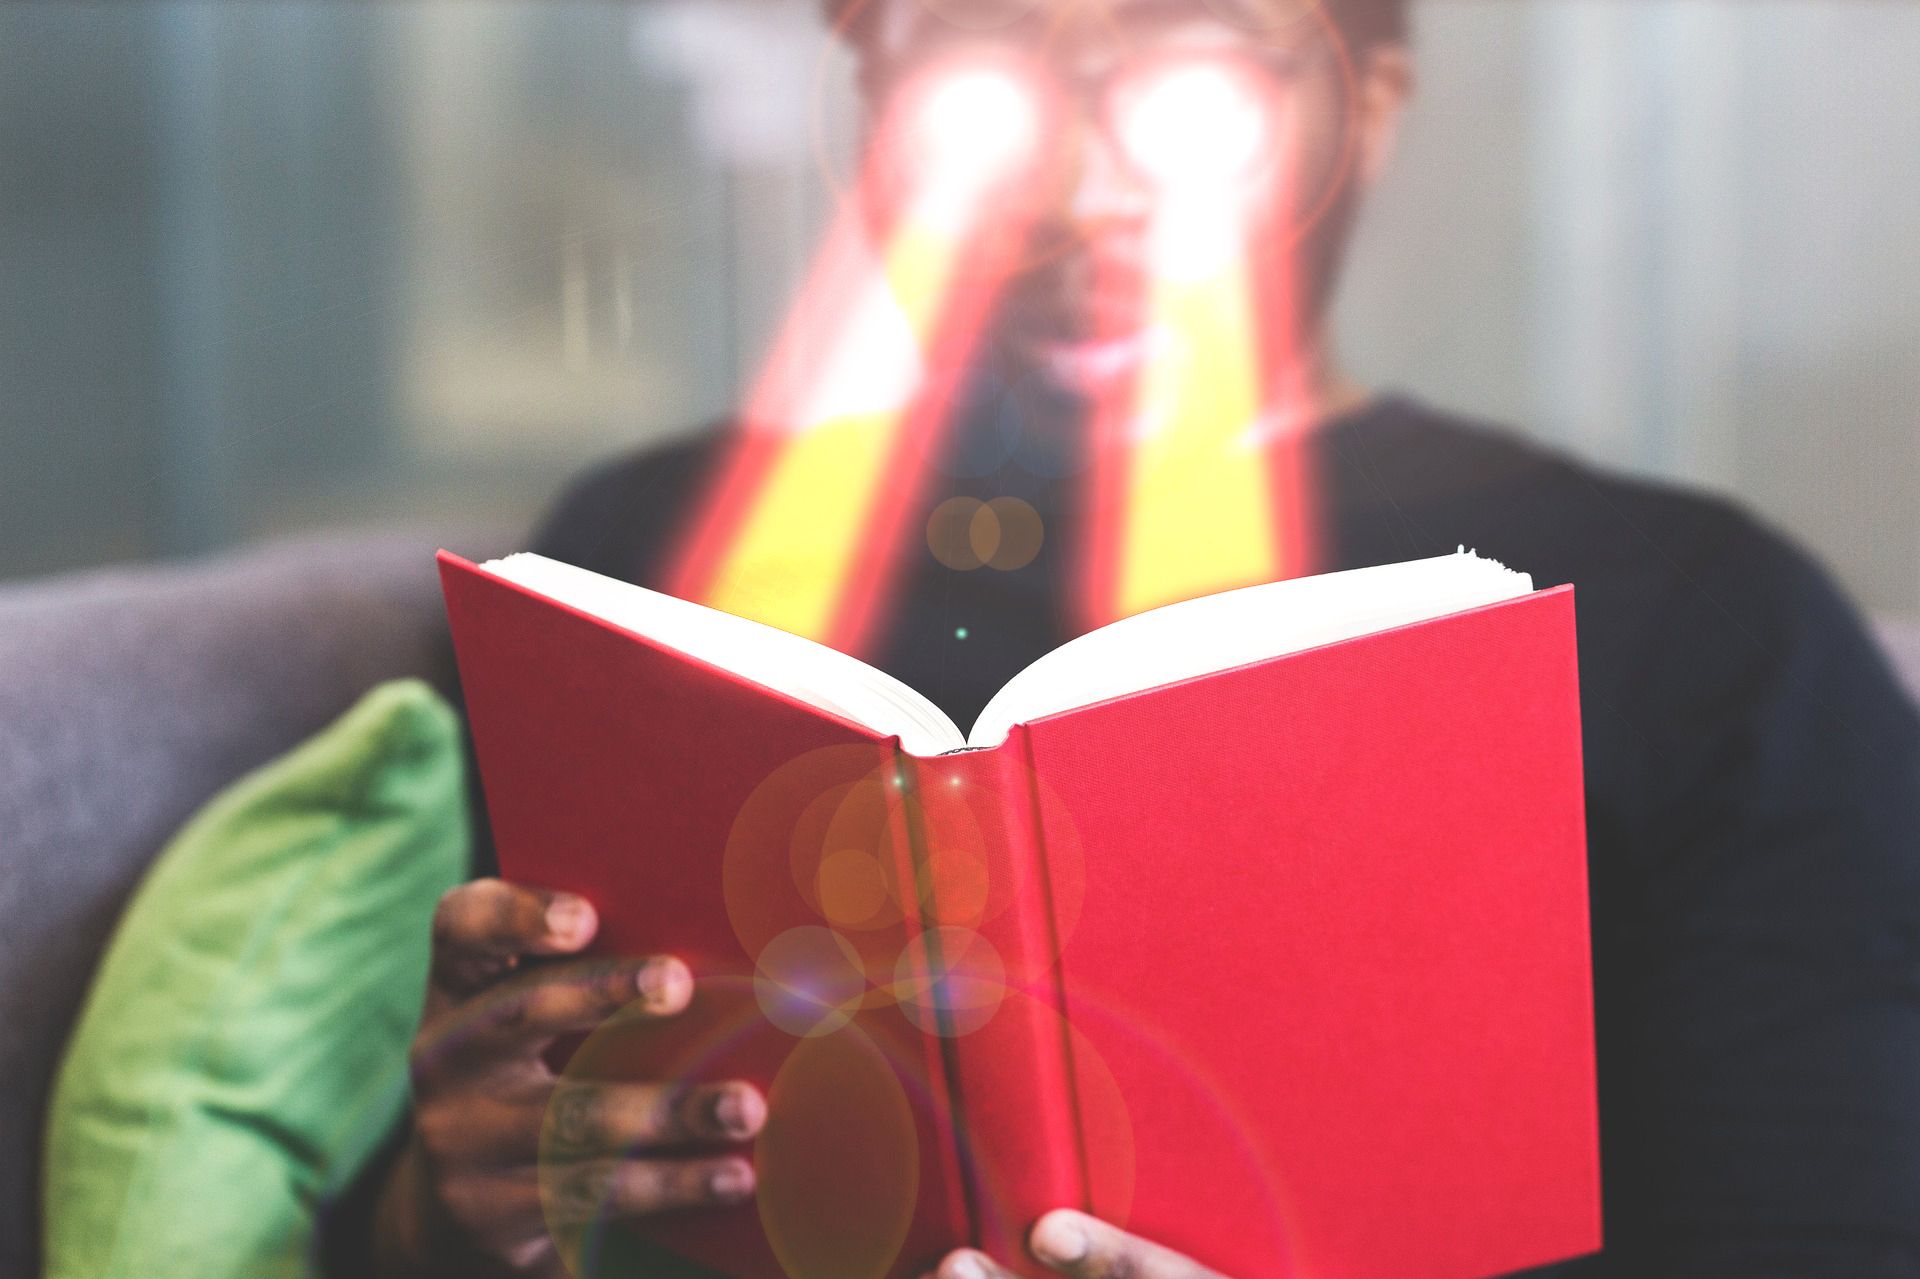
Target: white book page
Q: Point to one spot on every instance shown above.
(1233, 628)
(802, 669)
(1161, 646)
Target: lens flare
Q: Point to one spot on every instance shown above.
(1144, 1102)
(852, 1132)
(809, 982)
(965, 533)
(950, 981)
(721, 1036)
(1007, 532)
(852, 887)
(950, 533)
(1104, 1134)
(839, 1162)
(823, 842)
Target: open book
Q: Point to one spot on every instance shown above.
(1255, 922)
(1157, 647)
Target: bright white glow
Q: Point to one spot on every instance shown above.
(873, 365)
(1193, 124)
(1195, 237)
(975, 123)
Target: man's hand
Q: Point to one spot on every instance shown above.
(1076, 1244)
(466, 1195)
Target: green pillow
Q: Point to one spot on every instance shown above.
(244, 1047)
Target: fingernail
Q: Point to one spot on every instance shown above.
(965, 1265)
(739, 1112)
(1057, 1239)
(734, 1181)
(569, 918)
(663, 983)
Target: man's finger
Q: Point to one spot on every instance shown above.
(593, 1119)
(1076, 1244)
(514, 1021)
(481, 1129)
(544, 1004)
(480, 927)
(965, 1263)
(577, 1194)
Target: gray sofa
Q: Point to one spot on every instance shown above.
(128, 697)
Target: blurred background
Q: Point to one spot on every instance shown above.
(268, 266)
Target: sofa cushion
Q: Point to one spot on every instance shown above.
(127, 698)
(243, 1048)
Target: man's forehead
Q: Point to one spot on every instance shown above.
(908, 21)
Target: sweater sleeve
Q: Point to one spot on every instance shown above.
(1757, 953)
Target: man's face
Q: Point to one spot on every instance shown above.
(1072, 309)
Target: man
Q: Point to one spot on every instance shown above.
(1753, 769)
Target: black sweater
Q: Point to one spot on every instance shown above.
(1753, 800)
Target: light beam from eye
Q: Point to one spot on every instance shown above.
(1196, 482)
(802, 529)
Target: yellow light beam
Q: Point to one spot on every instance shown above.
(1198, 513)
(790, 562)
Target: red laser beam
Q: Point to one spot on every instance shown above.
(1197, 481)
(803, 528)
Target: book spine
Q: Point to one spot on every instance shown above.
(993, 992)
(945, 1202)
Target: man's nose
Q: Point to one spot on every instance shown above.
(1094, 187)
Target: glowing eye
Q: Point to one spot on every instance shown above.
(1193, 124)
(976, 122)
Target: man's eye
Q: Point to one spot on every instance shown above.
(977, 117)
(1208, 119)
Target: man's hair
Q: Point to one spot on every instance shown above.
(1369, 22)
(1361, 23)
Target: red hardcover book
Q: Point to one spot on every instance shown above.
(1256, 924)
